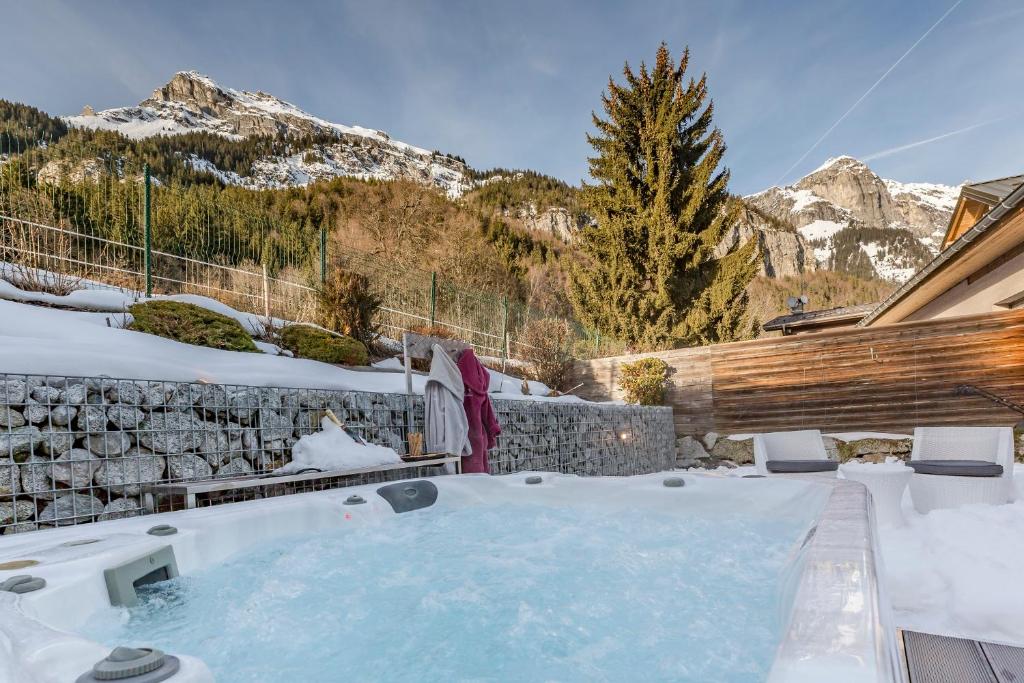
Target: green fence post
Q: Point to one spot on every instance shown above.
(597, 343)
(148, 232)
(433, 297)
(323, 255)
(504, 330)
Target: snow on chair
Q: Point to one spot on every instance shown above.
(956, 466)
(800, 452)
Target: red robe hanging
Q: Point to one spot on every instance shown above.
(483, 425)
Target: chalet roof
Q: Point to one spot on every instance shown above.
(812, 318)
(991, 192)
(998, 210)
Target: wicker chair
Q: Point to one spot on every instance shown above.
(956, 466)
(800, 452)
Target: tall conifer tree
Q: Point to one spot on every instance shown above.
(646, 271)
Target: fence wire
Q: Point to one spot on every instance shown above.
(82, 449)
(80, 211)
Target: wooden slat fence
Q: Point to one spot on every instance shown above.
(889, 378)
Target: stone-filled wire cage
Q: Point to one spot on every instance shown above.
(82, 449)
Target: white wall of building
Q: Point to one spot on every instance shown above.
(979, 296)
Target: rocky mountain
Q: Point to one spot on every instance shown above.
(784, 252)
(851, 221)
(191, 102)
(841, 217)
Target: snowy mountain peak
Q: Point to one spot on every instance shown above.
(193, 102)
(844, 160)
(860, 223)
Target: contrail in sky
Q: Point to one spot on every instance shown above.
(902, 148)
(866, 93)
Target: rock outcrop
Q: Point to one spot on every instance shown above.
(856, 222)
(557, 222)
(783, 252)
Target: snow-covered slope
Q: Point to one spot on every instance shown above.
(191, 102)
(857, 222)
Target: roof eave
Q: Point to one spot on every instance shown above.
(990, 219)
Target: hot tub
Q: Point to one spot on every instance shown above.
(470, 577)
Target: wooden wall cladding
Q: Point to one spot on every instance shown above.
(889, 378)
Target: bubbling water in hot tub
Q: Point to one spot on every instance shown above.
(506, 592)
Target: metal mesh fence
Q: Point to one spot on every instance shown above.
(84, 215)
(81, 449)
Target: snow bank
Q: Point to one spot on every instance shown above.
(332, 449)
(108, 300)
(957, 572)
(50, 341)
(507, 384)
(118, 301)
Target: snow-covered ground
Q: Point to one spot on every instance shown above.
(887, 265)
(50, 341)
(958, 572)
(118, 301)
(821, 229)
(953, 572)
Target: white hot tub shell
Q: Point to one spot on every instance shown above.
(835, 619)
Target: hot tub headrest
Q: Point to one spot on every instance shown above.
(406, 496)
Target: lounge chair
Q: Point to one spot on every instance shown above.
(956, 466)
(801, 452)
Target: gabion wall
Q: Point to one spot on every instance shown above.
(79, 449)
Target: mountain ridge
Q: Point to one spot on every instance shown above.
(829, 209)
(193, 102)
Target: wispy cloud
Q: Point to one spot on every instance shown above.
(866, 93)
(927, 141)
(998, 17)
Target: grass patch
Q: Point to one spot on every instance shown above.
(190, 324)
(306, 341)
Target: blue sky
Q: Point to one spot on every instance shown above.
(513, 83)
